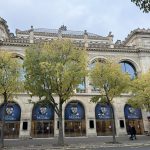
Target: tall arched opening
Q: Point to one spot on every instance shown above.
(103, 117)
(91, 66)
(12, 119)
(42, 121)
(129, 68)
(133, 116)
(75, 124)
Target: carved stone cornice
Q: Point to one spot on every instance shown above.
(4, 22)
(16, 42)
(113, 50)
(123, 49)
(91, 47)
(134, 32)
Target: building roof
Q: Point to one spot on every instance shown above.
(63, 31)
(70, 32)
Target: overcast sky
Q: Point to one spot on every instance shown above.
(95, 16)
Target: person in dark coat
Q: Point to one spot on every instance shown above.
(130, 132)
(134, 132)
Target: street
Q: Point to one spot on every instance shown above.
(123, 148)
(100, 148)
(84, 143)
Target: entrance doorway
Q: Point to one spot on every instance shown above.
(103, 119)
(138, 124)
(134, 117)
(42, 121)
(12, 119)
(75, 128)
(103, 127)
(75, 124)
(11, 130)
(41, 129)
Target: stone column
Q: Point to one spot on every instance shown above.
(31, 35)
(85, 39)
(110, 37)
(26, 116)
(87, 85)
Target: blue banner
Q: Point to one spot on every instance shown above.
(74, 111)
(12, 112)
(132, 113)
(103, 111)
(43, 112)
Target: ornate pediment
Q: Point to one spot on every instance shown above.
(4, 31)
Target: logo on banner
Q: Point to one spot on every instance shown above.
(74, 113)
(12, 112)
(9, 110)
(102, 111)
(132, 113)
(74, 110)
(43, 110)
(132, 110)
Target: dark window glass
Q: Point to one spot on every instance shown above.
(128, 68)
(25, 126)
(91, 122)
(121, 123)
(57, 124)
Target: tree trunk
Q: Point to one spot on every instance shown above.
(61, 133)
(113, 125)
(3, 119)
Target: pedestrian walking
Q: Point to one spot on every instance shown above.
(130, 132)
(134, 132)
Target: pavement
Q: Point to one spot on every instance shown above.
(75, 143)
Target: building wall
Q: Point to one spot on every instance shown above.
(139, 58)
(118, 105)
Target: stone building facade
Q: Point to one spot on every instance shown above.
(92, 119)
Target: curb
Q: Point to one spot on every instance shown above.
(75, 147)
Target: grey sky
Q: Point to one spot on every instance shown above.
(96, 16)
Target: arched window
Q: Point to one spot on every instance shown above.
(91, 66)
(22, 71)
(81, 87)
(128, 68)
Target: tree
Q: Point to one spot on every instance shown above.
(54, 69)
(143, 5)
(141, 92)
(10, 82)
(111, 82)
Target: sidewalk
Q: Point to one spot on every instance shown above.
(75, 143)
